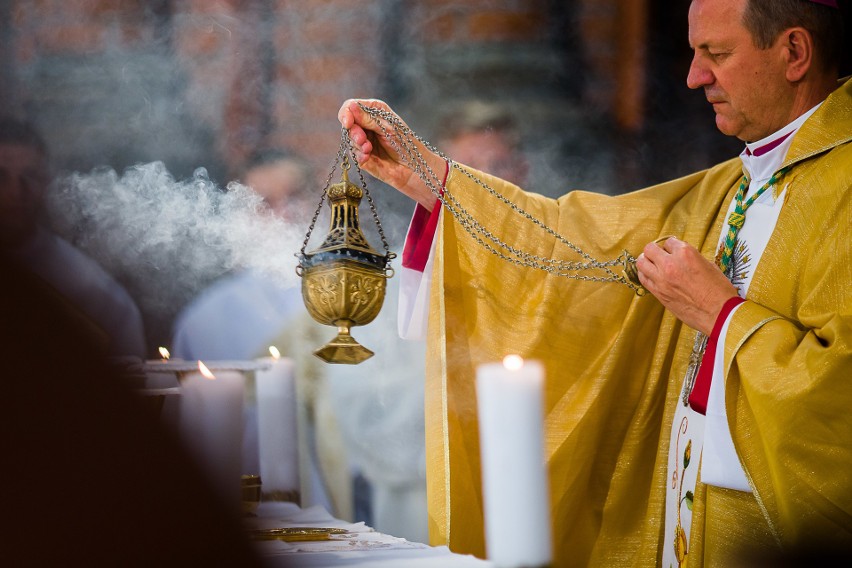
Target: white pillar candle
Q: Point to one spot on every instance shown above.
(211, 419)
(514, 479)
(276, 417)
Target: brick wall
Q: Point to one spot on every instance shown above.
(219, 78)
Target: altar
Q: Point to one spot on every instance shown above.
(343, 544)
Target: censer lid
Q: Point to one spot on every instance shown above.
(345, 240)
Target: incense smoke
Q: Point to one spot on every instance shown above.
(166, 239)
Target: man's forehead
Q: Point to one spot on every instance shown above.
(713, 21)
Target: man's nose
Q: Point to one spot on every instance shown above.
(699, 75)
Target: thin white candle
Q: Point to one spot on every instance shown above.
(514, 478)
(211, 419)
(276, 417)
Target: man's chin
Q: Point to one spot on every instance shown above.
(725, 127)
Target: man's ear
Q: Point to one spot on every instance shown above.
(798, 45)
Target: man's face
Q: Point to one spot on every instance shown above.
(488, 152)
(281, 184)
(746, 85)
(23, 179)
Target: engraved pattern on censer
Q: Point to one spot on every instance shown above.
(360, 295)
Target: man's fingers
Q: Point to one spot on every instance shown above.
(345, 115)
(654, 257)
(352, 116)
(643, 267)
(654, 253)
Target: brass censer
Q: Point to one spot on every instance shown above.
(344, 280)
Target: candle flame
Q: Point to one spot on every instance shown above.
(276, 354)
(164, 353)
(205, 372)
(513, 362)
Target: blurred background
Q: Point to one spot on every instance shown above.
(597, 86)
(152, 108)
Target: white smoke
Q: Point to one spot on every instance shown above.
(166, 239)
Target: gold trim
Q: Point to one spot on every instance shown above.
(296, 534)
(445, 423)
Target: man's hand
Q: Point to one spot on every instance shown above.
(687, 284)
(376, 154)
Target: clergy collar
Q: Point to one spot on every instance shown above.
(775, 139)
(762, 158)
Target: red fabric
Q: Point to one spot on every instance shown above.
(770, 146)
(418, 241)
(701, 390)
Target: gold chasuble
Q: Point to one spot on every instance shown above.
(615, 362)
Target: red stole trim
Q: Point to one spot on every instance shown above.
(421, 233)
(701, 391)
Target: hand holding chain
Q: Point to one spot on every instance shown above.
(402, 140)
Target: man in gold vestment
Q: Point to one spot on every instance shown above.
(616, 361)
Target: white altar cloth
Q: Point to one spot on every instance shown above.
(360, 547)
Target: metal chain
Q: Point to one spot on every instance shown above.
(344, 151)
(388, 254)
(403, 143)
(337, 161)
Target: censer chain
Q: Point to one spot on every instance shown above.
(402, 142)
(373, 209)
(345, 153)
(337, 160)
(415, 159)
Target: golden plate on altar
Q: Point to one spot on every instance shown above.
(295, 534)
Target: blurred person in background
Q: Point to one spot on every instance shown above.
(26, 238)
(92, 476)
(485, 136)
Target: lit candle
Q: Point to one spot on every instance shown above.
(157, 375)
(276, 418)
(514, 478)
(211, 419)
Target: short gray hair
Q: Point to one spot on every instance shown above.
(766, 19)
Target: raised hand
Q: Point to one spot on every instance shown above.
(377, 151)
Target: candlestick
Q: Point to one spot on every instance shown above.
(514, 479)
(277, 436)
(211, 419)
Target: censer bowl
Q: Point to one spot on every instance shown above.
(343, 293)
